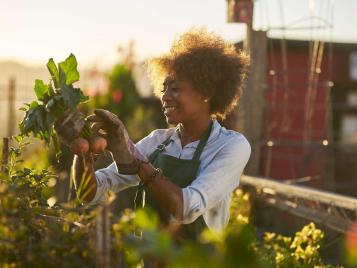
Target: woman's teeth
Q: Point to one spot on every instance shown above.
(169, 109)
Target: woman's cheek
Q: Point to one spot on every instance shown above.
(175, 95)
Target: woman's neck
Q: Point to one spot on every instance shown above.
(193, 130)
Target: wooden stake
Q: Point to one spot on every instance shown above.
(5, 154)
(103, 237)
(11, 116)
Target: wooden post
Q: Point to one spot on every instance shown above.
(248, 119)
(103, 236)
(251, 112)
(5, 154)
(11, 116)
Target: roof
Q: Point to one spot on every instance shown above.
(303, 44)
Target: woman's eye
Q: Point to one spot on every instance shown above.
(164, 88)
(172, 89)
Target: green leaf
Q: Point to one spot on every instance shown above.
(50, 120)
(33, 104)
(18, 138)
(70, 96)
(41, 89)
(146, 219)
(52, 68)
(82, 97)
(68, 72)
(49, 105)
(40, 119)
(29, 122)
(25, 107)
(55, 140)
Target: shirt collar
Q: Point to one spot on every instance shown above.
(213, 136)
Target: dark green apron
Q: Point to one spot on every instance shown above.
(182, 172)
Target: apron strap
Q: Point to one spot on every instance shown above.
(198, 151)
(202, 142)
(159, 149)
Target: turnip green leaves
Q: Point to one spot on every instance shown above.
(54, 99)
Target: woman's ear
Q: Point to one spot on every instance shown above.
(206, 99)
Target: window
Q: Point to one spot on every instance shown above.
(349, 129)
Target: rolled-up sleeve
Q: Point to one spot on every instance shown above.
(110, 179)
(216, 180)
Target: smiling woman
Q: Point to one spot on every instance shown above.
(211, 65)
(188, 171)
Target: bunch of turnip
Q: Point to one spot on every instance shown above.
(55, 112)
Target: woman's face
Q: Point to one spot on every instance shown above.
(181, 102)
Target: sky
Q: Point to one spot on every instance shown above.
(33, 31)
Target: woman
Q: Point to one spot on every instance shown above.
(192, 168)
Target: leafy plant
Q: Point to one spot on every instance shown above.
(302, 250)
(239, 207)
(34, 230)
(138, 236)
(54, 100)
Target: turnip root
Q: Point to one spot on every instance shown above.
(98, 145)
(80, 146)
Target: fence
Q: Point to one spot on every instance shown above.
(12, 97)
(334, 211)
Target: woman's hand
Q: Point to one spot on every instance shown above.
(110, 127)
(69, 127)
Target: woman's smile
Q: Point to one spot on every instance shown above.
(169, 109)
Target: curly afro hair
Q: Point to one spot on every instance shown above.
(213, 67)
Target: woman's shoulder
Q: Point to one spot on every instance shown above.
(161, 134)
(155, 138)
(233, 140)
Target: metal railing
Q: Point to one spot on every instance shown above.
(335, 211)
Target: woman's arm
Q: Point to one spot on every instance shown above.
(217, 179)
(92, 186)
(168, 194)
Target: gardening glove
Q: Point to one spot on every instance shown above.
(125, 154)
(70, 126)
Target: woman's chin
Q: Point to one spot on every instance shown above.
(172, 121)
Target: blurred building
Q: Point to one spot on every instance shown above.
(310, 114)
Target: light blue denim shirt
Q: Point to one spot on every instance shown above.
(222, 162)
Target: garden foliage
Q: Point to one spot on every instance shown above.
(35, 231)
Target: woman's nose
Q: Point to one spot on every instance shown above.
(166, 95)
